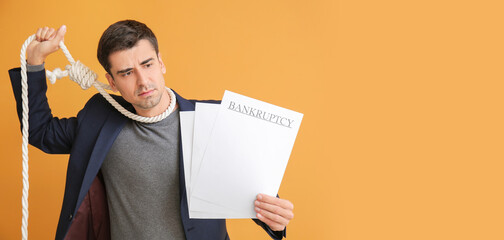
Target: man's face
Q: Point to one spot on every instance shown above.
(138, 75)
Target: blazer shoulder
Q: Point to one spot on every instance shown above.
(194, 101)
(99, 100)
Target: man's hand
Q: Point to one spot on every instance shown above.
(46, 42)
(275, 212)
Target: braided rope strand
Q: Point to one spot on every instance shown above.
(24, 145)
(86, 78)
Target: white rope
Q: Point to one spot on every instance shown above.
(86, 78)
(24, 146)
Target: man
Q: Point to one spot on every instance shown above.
(125, 179)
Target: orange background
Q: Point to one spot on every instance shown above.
(403, 100)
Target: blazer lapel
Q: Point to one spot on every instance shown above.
(111, 129)
(184, 105)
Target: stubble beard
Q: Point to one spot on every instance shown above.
(150, 102)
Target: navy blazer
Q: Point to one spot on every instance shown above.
(88, 138)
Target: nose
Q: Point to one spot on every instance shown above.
(141, 78)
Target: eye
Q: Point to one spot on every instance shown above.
(148, 65)
(126, 74)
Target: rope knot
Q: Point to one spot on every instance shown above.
(57, 73)
(81, 74)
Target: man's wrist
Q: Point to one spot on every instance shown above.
(35, 59)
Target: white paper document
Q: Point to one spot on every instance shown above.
(206, 113)
(237, 150)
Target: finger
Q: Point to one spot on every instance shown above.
(49, 34)
(60, 34)
(43, 33)
(272, 216)
(275, 226)
(37, 35)
(274, 209)
(275, 201)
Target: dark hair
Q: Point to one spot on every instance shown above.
(123, 35)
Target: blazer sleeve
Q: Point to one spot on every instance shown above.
(49, 134)
(271, 233)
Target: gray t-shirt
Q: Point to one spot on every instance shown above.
(141, 174)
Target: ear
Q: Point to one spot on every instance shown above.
(163, 67)
(111, 82)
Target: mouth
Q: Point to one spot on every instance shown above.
(146, 93)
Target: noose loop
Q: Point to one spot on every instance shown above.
(86, 78)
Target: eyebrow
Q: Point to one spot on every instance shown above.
(129, 69)
(146, 61)
(124, 71)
